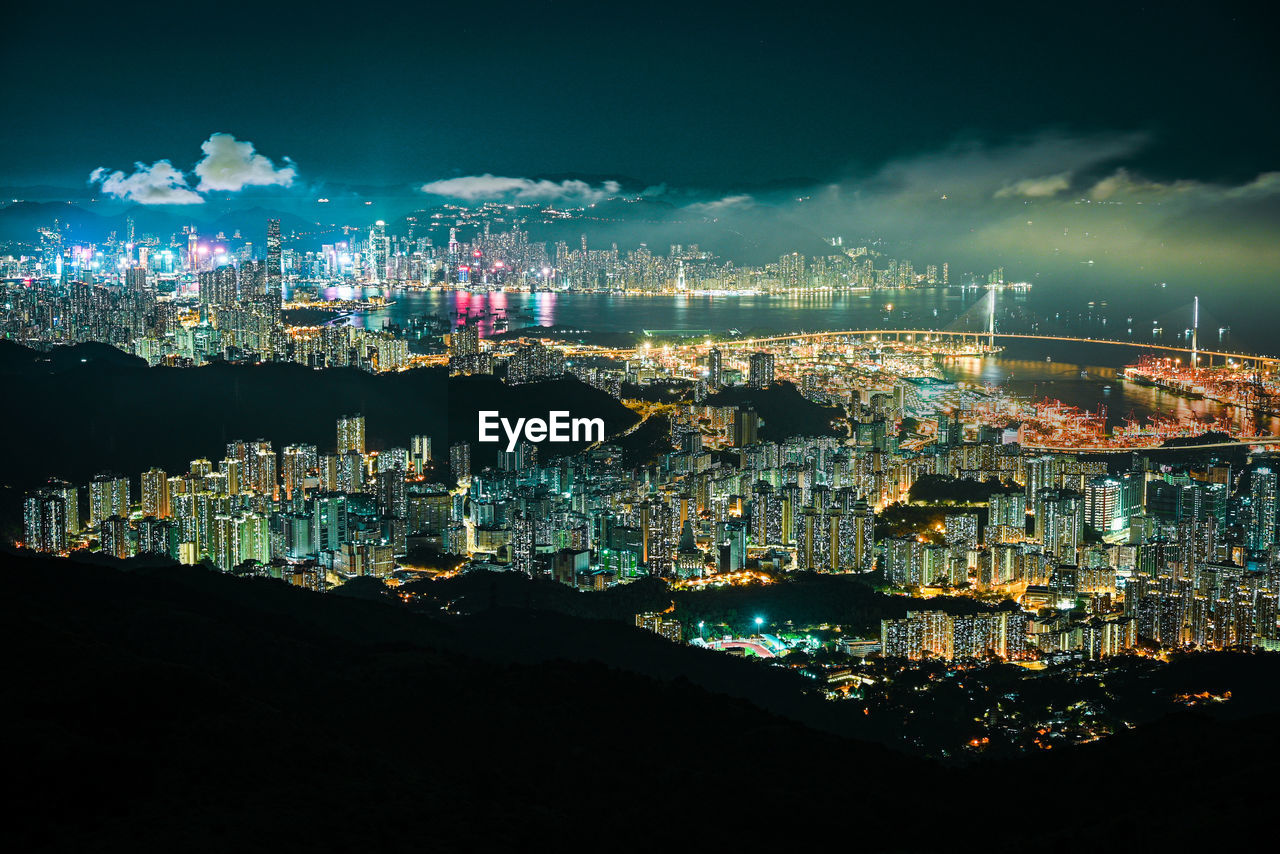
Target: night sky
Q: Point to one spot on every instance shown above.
(711, 95)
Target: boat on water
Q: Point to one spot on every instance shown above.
(1048, 358)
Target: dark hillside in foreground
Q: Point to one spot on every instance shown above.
(784, 410)
(92, 407)
(171, 708)
(469, 395)
(184, 708)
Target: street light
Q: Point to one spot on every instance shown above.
(759, 623)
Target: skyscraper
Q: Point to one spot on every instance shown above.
(275, 263)
(44, 517)
(351, 433)
(379, 251)
(760, 370)
(108, 496)
(155, 493)
(1102, 503)
(1261, 534)
(70, 496)
(113, 536)
(962, 530)
(135, 279)
(1008, 510)
(460, 460)
(158, 537)
(746, 423)
(297, 462)
(863, 537)
(330, 520)
(464, 341)
(715, 369)
(351, 472)
(419, 452)
(1060, 522)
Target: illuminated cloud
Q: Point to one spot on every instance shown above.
(1049, 208)
(489, 187)
(1036, 188)
(721, 206)
(157, 184)
(1032, 168)
(1266, 184)
(230, 164)
(1121, 184)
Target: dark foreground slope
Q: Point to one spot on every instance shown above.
(91, 407)
(179, 708)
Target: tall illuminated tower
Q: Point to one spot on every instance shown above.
(1262, 501)
(420, 452)
(155, 493)
(351, 433)
(45, 521)
(715, 368)
(193, 250)
(760, 370)
(379, 250)
(275, 262)
(108, 496)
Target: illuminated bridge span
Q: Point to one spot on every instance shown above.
(1243, 441)
(924, 336)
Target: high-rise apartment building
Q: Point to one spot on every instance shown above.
(760, 370)
(108, 496)
(351, 433)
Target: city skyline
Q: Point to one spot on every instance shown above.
(985, 140)
(481, 426)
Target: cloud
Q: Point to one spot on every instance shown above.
(489, 187)
(1266, 184)
(972, 170)
(230, 164)
(1036, 188)
(1174, 228)
(157, 184)
(1044, 207)
(1122, 183)
(721, 206)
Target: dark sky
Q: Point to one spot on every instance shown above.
(699, 95)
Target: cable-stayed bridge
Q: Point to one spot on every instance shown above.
(961, 330)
